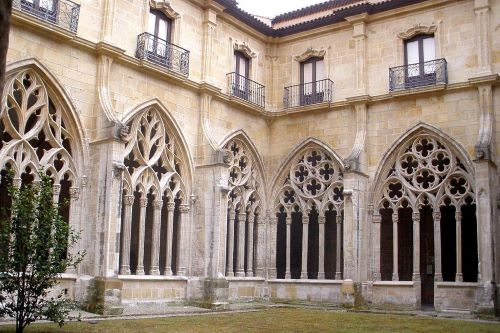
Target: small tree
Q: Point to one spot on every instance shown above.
(34, 250)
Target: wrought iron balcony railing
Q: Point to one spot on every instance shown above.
(308, 93)
(246, 89)
(63, 13)
(163, 53)
(417, 75)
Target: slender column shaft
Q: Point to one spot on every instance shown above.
(128, 201)
(321, 247)
(230, 245)
(416, 246)
(182, 240)
(438, 275)
(56, 190)
(142, 226)
(170, 238)
(74, 214)
(251, 225)
(395, 274)
(240, 255)
(288, 273)
(273, 225)
(305, 244)
(338, 222)
(458, 222)
(155, 248)
(376, 220)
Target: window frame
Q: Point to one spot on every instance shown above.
(241, 84)
(315, 95)
(422, 78)
(158, 48)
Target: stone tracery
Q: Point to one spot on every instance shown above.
(312, 190)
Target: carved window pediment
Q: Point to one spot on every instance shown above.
(245, 49)
(165, 7)
(310, 53)
(418, 29)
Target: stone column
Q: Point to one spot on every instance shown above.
(143, 201)
(458, 225)
(128, 201)
(273, 233)
(182, 240)
(155, 248)
(170, 238)
(305, 244)
(438, 273)
(359, 36)
(483, 44)
(395, 273)
(321, 247)
(288, 273)
(338, 222)
(376, 220)
(251, 219)
(56, 190)
(416, 246)
(240, 255)
(74, 215)
(230, 244)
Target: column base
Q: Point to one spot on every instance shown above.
(321, 275)
(182, 271)
(125, 270)
(395, 277)
(240, 273)
(438, 277)
(249, 274)
(376, 277)
(168, 271)
(459, 277)
(288, 275)
(416, 277)
(304, 276)
(338, 276)
(230, 273)
(154, 270)
(139, 271)
(273, 273)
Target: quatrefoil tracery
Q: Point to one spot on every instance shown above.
(426, 171)
(33, 133)
(314, 180)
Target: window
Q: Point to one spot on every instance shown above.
(159, 28)
(242, 74)
(45, 9)
(420, 53)
(312, 75)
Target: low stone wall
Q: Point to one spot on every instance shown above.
(395, 294)
(324, 291)
(455, 296)
(147, 289)
(247, 289)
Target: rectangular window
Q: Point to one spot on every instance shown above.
(242, 74)
(420, 53)
(159, 28)
(312, 81)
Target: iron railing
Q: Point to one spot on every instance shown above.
(417, 75)
(308, 93)
(163, 53)
(63, 13)
(246, 89)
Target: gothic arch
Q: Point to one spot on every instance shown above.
(61, 98)
(327, 153)
(245, 224)
(388, 159)
(174, 130)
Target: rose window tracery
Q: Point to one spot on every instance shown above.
(426, 172)
(315, 179)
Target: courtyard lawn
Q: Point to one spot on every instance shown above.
(274, 320)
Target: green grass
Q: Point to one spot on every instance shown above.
(274, 320)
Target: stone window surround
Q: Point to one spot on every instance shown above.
(166, 8)
(311, 52)
(245, 49)
(418, 29)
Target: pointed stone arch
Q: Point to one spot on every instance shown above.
(245, 225)
(307, 196)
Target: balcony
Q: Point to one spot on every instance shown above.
(246, 89)
(308, 93)
(63, 13)
(417, 75)
(163, 53)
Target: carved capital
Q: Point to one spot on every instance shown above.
(17, 182)
(482, 152)
(288, 220)
(415, 217)
(143, 202)
(321, 219)
(74, 193)
(170, 206)
(157, 204)
(242, 217)
(376, 218)
(84, 181)
(310, 53)
(123, 132)
(183, 208)
(436, 215)
(118, 169)
(251, 218)
(395, 217)
(338, 218)
(128, 200)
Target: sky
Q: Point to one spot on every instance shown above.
(271, 8)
